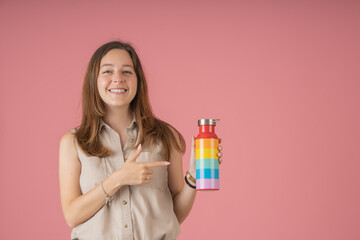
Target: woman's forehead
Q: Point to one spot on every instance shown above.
(117, 56)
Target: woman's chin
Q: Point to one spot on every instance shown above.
(118, 105)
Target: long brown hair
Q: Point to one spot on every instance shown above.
(93, 109)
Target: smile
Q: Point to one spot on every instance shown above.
(118, 90)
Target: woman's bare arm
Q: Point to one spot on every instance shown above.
(183, 195)
(77, 208)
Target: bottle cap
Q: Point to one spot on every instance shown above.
(207, 122)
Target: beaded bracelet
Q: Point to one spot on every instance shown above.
(187, 182)
(190, 177)
(108, 199)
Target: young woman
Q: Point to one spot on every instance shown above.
(120, 171)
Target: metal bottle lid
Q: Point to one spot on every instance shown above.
(207, 122)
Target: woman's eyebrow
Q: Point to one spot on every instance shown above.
(127, 65)
(108, 64)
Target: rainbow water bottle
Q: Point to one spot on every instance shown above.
(207, 161)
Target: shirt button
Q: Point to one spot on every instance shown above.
(131, 140)
(126, 226)
(124, 202)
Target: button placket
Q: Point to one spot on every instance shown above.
(114, 139)
(131, 133)
(122, 201)
(125, 192)
(125, 209)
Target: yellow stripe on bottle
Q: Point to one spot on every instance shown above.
(206, 153)
(207, 143)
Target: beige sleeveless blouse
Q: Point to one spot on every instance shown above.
(141, 212)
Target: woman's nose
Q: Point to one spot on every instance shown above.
(117, 77)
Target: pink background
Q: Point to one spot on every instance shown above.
(283, 77)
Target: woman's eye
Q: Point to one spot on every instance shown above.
(127, 72)
(107, 71)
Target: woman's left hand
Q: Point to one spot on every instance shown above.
(192, 168)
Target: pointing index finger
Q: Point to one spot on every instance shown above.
(157, 164)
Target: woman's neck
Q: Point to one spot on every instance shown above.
(118, 118)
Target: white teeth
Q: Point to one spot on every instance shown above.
(117, 90)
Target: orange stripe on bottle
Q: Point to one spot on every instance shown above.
(207, 143)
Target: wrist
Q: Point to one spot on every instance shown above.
(116, 180)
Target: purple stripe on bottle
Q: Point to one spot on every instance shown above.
(207, 183)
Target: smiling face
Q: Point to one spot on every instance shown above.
(117, 80)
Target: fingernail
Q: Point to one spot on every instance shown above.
(167, 163)
(139, 146)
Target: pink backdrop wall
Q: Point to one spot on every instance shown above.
(283, 77)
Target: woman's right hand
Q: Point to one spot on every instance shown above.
(135, 173)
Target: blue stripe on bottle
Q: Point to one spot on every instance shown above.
(207, 173)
